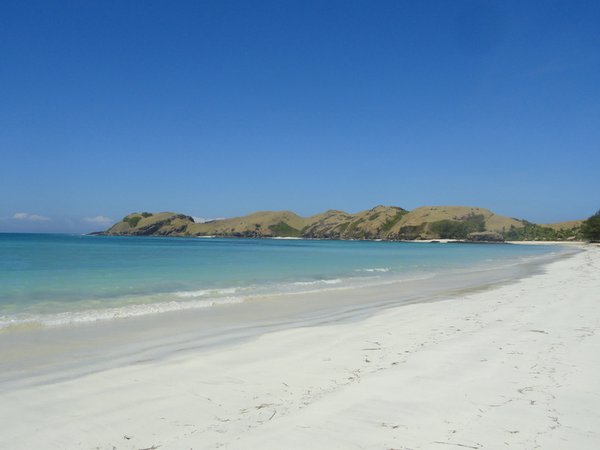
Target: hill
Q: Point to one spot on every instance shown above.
(258, 224)
(564, 225)
(151, 224)
(430, 222)
(374, 223)
(380, 222)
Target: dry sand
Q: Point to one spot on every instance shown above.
(512, 367)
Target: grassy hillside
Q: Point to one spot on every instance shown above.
(564, 225)
(146, 224)
(258, 224)
(380, 222)
(328, 225)
(374, 223)
(430, 222)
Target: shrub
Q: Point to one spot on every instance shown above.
(458, 229)
(284, 230)
(590, 229)
(410, 231)
(388, 224)
(534, 232)
(132, 220)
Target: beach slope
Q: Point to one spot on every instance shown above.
(514, 367)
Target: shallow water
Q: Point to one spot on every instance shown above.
(50, 279)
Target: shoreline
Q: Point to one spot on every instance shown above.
(515, 363)
(45, 354)
(194, 299)
(295, 238)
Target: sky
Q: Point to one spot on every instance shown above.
(221, 108)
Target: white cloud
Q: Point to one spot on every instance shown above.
(98, 220)
(31, 217)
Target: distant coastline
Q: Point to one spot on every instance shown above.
(386, 223)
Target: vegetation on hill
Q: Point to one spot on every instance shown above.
(455, 229)
(450, 222)
(392, 221)
(282, 229)
(147, 224)
(373, 223)
(132, 220)
(590, 229)
(534, 232)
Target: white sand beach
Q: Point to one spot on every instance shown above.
(515, 366)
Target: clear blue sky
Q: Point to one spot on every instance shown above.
(219, 108)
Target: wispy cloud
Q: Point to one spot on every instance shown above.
(98, 220)
(30, 217)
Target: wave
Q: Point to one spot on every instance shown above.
(375, 269)
(120, 312)
(205, 292)
(188, 300)
(317, 282)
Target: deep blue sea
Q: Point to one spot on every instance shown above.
(59, 278)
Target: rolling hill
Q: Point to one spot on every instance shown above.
(380, 222)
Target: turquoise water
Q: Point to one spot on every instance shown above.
(61, 278)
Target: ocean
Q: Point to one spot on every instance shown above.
(60, 279)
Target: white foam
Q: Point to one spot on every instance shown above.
(120, 312)
(189, 300)
(205, 292)
(316, 282)
(375, 269)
